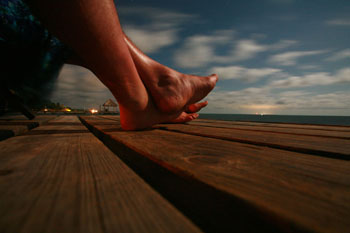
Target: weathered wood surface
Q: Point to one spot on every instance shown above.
(229, 186)
(330, 146)
(324, 146)
(309, 130)
(61, 178)
(279, 125)
(16, 125)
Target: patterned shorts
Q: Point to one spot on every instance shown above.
(30, 56)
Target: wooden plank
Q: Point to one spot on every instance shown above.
(7, 131)
(279, 129)
(111, 117)
(322, 146)
(66, 119)
(19, 124)
(38, 118)
(61, 124)
(281, 125)
(315, 130)
(226, 186)
(15, 101)
(342, 132)
(66, 182)
(330, 147)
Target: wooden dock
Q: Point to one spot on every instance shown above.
(16, 125)
(88, 175)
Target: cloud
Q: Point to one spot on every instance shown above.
(150, 41)
(340, 55)
(338, 22)
(335, 103)
(290, 58)
(246, 49)
(78, 87)
(250, 100)
(282, 44)
(321, 78)
(321, 103)
(160, 30)
(293, 94)
(263, 100)
(308, 67)
(276, 98)
(343, 75)
(161, 17)
(200, 50)
(241, 73)
(314, 79)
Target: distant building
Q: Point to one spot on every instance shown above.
(109, 107)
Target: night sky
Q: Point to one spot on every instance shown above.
(272, 56)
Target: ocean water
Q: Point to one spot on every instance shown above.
(318, 120)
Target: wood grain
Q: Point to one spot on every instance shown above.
(322, 146)
(226, 186)
(70, 182)
(16, 125)
(290, 128)
(341, 134)
(334, 147)
(280, 125)
(21, 118)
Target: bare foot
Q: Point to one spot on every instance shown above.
(171, 91)
(190, 113)
(131, 120)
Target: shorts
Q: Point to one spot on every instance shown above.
(30, 57)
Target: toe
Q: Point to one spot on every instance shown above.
(196, 107)
(214, 78)
(185, 117)
(191, 117)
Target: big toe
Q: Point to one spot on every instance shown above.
(192, 108)
(204, 86)
(210, 82)
(213, 78)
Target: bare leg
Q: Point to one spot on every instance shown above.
(92, 29)
(153, 74)
(167, 85)
(191, 108)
